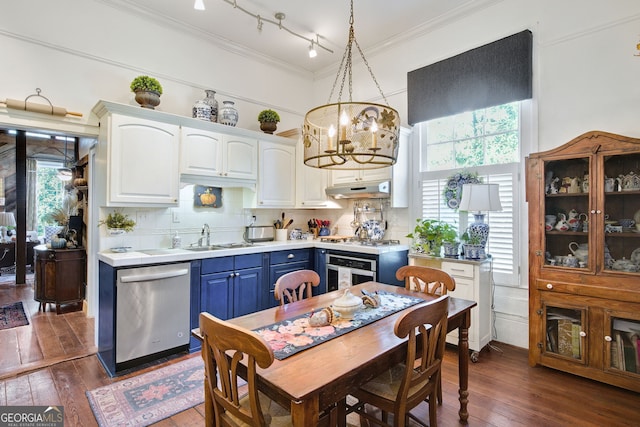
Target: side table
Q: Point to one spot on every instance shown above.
(60, 276)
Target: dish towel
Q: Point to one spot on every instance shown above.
(344, 277)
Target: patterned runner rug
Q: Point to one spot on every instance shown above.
(148, 398)
(294, 335)
(13, 315)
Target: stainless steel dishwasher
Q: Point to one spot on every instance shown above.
(152, 313)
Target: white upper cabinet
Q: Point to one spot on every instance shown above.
(310, 186)
(359, 175)
(212, 154)
(142, 162)
(277, 175)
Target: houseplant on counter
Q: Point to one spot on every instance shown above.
(268, 121)
(472, 246)
(429, 235)
(118, 223)
(147, 90)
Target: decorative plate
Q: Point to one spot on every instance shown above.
(453, 189)
(635, 256)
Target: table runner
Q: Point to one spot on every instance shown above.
(294, 335)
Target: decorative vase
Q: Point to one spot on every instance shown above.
(268, 127)
(478, 230)
(228, 114)
(211, 101)
(201, 110)
(148, 98)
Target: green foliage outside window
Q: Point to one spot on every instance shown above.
(49, 194)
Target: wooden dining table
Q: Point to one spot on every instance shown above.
(320, 377)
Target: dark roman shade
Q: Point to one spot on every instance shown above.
(493, 74)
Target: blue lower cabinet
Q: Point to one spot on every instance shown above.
(281, 263)
(233, 292)
(320, 267)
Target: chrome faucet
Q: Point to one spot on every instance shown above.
(205, 227)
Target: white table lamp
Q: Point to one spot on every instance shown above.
(6, 220)
(479, 198)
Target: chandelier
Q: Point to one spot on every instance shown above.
(351, 135)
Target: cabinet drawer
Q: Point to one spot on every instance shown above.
(247, 261)
(215, 265)
(295, 255)
(553, 285)
(458, 269)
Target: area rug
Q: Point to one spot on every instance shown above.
(148, 398)
(13, 315)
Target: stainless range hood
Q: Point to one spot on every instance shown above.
(363, 190)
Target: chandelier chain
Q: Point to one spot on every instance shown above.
(347, 63)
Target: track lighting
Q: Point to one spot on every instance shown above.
(279, 17)
(199, 5)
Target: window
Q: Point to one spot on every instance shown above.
(486, 141)
(49, 192)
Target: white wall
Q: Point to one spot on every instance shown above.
(80, 51)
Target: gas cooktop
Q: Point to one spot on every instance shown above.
(356, 241)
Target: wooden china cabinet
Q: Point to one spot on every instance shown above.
(584, 318)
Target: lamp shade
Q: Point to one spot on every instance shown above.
(480, 197)
(7, 219)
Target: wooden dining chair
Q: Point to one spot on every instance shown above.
(406, 385)
(296, 285)
(223, 348)
(429, 280)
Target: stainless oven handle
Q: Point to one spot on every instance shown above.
(353, 270)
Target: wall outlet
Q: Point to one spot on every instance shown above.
(175, 216)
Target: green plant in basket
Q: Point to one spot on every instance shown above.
(146, 83)
(118, 221)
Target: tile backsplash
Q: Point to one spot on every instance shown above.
(155, 227)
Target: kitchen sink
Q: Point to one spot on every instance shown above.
(202, 248)
(219, 246)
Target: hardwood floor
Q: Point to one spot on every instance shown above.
(504, 390)
(48, 339)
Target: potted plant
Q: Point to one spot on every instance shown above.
(147, 90)
(268, 120)
(472, 246)
(430, 234)
(118, 223)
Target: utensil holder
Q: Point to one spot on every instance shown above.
(281, 234)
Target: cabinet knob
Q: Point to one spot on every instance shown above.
(549, 286)
(597, 211)
(291, 256)
(231, 274)
(52, 255)
(608, 338)
(583, 334)
(237, 274)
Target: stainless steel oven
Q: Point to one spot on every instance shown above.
(344, 271)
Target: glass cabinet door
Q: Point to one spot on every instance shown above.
(621, 213)
(622, 336)
(567, 214)
(564, 327)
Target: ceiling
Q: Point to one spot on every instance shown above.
(377, 24)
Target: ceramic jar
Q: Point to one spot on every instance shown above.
(201, 110)
(213, 103)
(347, 305)
(228, 114)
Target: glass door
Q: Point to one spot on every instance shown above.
(564, 329)
(622, 336)
(567, 210)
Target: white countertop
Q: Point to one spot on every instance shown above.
(162, 255)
